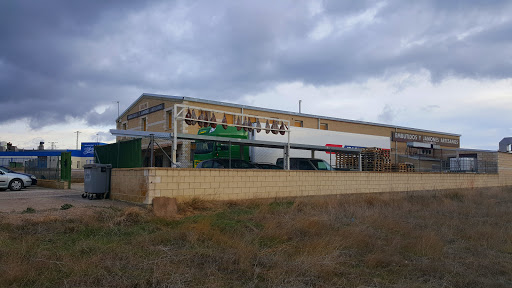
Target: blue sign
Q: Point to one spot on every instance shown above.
(354, 147)
(88, 148)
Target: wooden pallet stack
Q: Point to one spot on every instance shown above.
(372, 159)
(375, 159)
(347, 161)
(403, 167)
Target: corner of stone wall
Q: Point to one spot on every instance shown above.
(54, 184)
(505, 168)
(130, 184)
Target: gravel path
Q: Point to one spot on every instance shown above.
(40, 198)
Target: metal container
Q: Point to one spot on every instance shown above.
(97, 180)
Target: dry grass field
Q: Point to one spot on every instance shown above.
(427, 239)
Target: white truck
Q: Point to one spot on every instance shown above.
(312, 137)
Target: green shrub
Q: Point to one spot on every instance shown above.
(66, 206)
(29, 210)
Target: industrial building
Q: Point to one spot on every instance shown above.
(153, 112)
(10, 156)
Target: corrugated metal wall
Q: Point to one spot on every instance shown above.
(125, 154)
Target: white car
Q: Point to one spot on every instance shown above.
(14, 181)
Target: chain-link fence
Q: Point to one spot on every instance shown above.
(14, 162)
(446, 160)
(47, 167)
(161, 149)
(158, 153)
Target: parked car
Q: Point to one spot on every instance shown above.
(13, 181)
(267, 166)
(224, 164)
(306, 164)
(7, 170)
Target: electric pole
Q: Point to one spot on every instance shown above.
(77, 132)
(53, 145)
(117, 111)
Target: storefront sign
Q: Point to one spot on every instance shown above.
(408, 137)
(88, 148)
(146, 111)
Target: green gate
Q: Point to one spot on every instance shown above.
(125, 154)
(65, 167)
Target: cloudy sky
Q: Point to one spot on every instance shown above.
(436, 65)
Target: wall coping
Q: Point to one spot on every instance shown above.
(302, 171)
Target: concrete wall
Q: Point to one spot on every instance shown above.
(141, 185)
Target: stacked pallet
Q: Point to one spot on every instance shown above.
(375, 159)
(402, 167)
(372, 159)
(347, 161)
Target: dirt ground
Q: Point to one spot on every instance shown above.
(47, 202)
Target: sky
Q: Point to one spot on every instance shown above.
(435, 65)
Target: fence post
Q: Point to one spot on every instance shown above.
(174, 136)
(229, 154)
(65, 172)
(330, 158)
(151, 139)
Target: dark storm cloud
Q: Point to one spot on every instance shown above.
(64, 58)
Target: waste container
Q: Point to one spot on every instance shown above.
(97, 181)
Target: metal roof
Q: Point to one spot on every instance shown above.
(235, 141)
(34, 153)
(504, 144)
(182, 98)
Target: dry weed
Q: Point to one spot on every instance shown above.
(419, 239)
(193, 205)
(425, 244)
(130, 216)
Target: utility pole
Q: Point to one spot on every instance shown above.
(97, 138)
(53, 145)
(117, 110)
(77, 132)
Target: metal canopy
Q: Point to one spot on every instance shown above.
(236, 141)
(140, 134)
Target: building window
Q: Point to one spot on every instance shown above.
(169, 119)
(426, 151)
(124, 126)
(324, 126)
(299, 123)
(229, 118)
(144, 124)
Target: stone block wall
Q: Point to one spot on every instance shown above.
(505, 168)
(142, 185)
(130, 184)
(54, 184)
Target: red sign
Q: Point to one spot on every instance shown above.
(332, 145)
